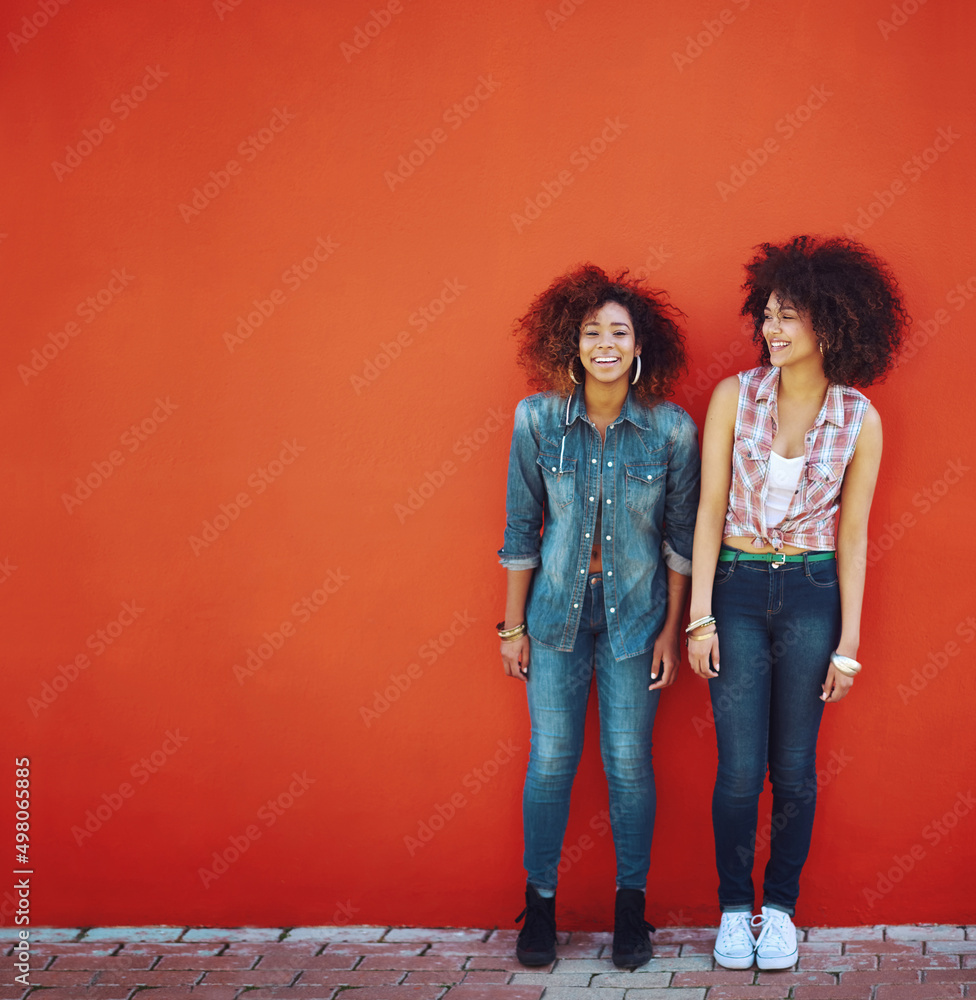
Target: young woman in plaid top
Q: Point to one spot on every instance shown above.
(790, 458)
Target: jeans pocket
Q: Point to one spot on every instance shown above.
(724, 571)
(822, 573)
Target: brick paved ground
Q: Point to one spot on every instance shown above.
(410, 963)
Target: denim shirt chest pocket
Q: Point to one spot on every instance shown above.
(750, 464)
(560, 486)
(645, 484)
(822, 483)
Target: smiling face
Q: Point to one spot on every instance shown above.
(607, 345)
(789, 333)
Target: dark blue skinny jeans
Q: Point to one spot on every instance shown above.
(777, 627)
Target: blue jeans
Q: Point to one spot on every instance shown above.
(558, 689)
(777, 628)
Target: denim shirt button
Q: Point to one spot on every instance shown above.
(609, 572)
(591, 499)
(609, 463)
(587, 535)
(613, 611)
(609, 501)
(575, 605)
(608, 538)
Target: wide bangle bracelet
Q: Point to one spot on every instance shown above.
(707, 620)
(701, 638)
(845, 664)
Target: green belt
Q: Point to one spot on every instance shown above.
(727, 555)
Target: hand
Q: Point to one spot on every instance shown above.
(703, 657)
(665, 659)
(515, 658)
(836, 686)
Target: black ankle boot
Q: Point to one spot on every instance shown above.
(536, 943)
(631, 945)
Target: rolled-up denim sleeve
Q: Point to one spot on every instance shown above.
(681, 499)
(526, 496)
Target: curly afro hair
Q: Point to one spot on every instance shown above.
(853, 299)
(549, 332)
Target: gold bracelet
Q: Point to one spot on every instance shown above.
(500, 627)
(707, 635)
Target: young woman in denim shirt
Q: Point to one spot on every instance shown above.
(602, 493)
(789, 462)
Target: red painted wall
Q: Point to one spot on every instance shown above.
(260, 263)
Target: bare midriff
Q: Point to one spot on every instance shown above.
(744, 543)
(596, 560)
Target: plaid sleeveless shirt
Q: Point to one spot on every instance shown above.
(811, 518)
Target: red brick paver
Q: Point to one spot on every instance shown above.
(92, 993)
(336, 978)
(949, 976)
(841, 963)
(904, 992)
(479, 977)
(75, 978)
(269, 977)
(284, 993)
(833, 992)
(397, 993)
(65, 963)
(133, 978)
(190, 993)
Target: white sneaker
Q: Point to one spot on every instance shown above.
(735, 947)
(776, 947)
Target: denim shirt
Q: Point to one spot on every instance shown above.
(645, 477)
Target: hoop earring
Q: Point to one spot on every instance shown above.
(572, 375)
(822, 349)
(633, 381)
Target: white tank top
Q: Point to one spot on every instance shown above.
(783, 479)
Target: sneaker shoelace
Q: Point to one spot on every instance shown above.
(630, 920)
(630, 925)
(537, 921)
(737, 936)
(773, 933)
